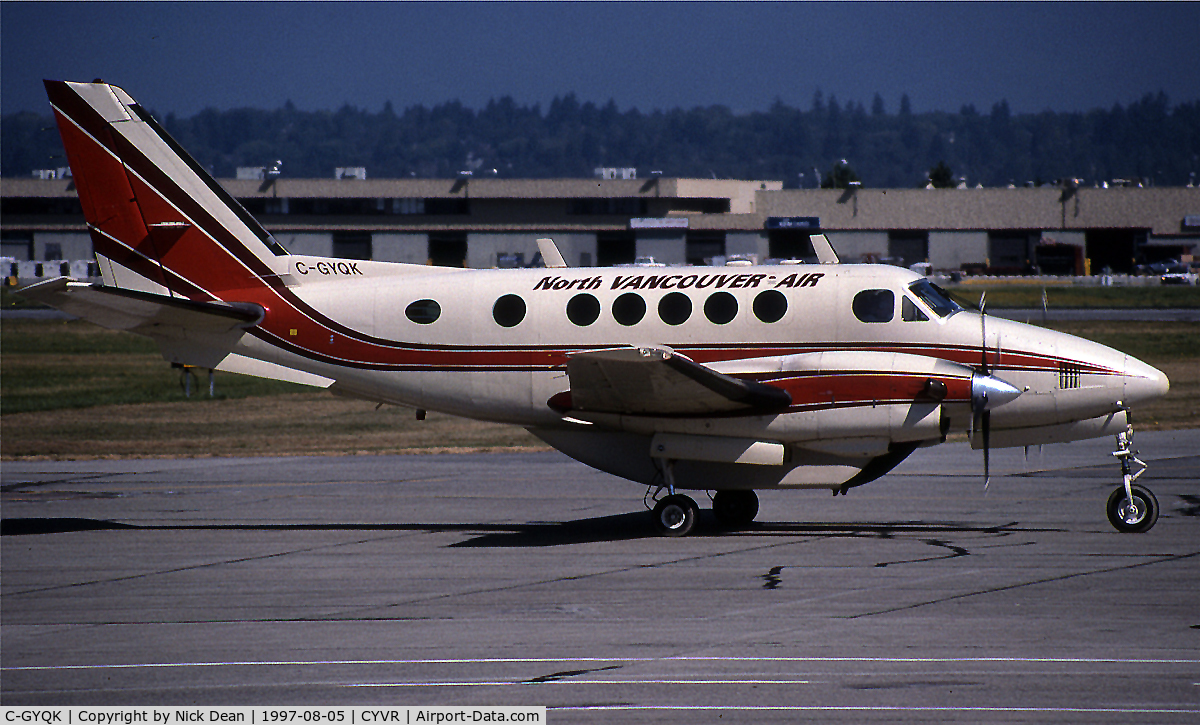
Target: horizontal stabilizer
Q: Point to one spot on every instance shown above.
(144, 313)
(657, 381)
(243, 365)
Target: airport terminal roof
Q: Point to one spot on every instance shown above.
(1161, 210)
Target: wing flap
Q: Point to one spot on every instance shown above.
(657, 381)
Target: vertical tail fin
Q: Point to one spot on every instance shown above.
(159, 223)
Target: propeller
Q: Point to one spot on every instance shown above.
(987, 392)
(985, 415)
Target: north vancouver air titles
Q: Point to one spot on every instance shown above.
(680, 281)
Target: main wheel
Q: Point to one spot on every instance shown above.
(675, 515)
(735, 509)
(1132, 516)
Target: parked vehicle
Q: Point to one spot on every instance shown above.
(1180, 274)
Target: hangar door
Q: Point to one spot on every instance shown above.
(908, 247)
(791, 244)
(1113, 248)
(448, 249)
(1011, 252)
(615, 248)
(352, 245)
(704, 245)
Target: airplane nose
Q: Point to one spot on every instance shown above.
(1143, 382)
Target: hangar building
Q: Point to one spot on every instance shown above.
(494, 222)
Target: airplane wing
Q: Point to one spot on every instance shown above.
(143, 313)
(658, 381)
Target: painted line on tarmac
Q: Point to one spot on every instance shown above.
(631, 660)
(573, 681)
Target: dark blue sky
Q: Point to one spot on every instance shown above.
(183, 57)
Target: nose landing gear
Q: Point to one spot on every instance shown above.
(1132, 509)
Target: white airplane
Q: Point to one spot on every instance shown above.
(722, 379)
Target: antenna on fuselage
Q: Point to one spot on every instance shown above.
(823, 249)
(550, 254)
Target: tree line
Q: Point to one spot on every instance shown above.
(1150, 141)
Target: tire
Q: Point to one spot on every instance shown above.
(1132, 520)
(735, 509)
(675, 515)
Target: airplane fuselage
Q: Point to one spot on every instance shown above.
(478, 357)
(719, 378)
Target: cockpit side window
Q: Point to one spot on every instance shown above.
(875, 305)
(909, 312)
(935, 297)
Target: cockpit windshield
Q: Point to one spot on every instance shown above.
(935, 297)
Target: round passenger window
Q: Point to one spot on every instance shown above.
(675, 308)
(423, 312)
(875, 305)
(583, 309)
(770, 306)
(629, 309)
(508, 311)
(720, 308)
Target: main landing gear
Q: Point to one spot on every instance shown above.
(735, 509)
(675, 513)
(1132, 509)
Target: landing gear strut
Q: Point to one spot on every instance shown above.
(1132, 509)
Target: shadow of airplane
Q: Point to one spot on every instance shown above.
(618, 527)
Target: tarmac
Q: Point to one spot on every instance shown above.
(528, 579)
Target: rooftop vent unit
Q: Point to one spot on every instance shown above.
(610, 173)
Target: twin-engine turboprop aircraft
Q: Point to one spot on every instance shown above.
(725, 379)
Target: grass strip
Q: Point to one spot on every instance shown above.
(73, 390)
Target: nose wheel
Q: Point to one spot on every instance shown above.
(1132, 509)
(1134, 512)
